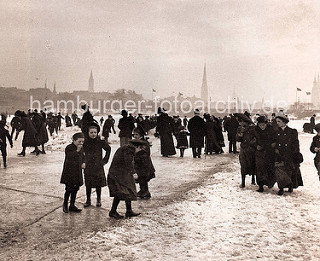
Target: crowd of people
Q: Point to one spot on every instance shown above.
(269, 149)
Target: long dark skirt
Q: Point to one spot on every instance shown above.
(167, 146)
(247, 161)
(265, 168)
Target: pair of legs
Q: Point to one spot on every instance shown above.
(4, 156)
(23, 152)
(70, 191)
(182, 153)
(243, 180)
(88, 192)
(232, 146)
(144, 189)
(17, 133)
(196, 152)
(129, 213)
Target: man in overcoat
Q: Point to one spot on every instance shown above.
(196, 128)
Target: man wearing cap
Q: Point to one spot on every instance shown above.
(196, 128)
(126, 126)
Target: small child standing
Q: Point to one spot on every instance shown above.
(72, 174)
(182, 140)
(4, 135)
(315, 148)
(94, 175)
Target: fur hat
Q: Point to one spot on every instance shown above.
(242, 117)
(282, 117)
(317, 127)
(93, 124)
(262, 119)
(84, 107)
(196, 111)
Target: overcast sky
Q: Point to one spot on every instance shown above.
(256, 48)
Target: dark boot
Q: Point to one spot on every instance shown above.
(260, 188)
(88, 202)
(199, 152)
(253, 181)
(181, 153)
(113, 212)
(243, 181)
(230, 147)
(23, 152)
(129, 212)
(194, 152)
(72, 207)
(65, 202)
(280, 192)
(98, 191)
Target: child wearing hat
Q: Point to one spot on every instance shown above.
(315, 148)
(94, 172)
(143, 164)
(4, 135)
(182, 140)
(72, 173)
(121, 182)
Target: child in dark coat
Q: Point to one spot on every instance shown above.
(143, 164)
(94, 172)
(182, 140)
(315, 148)
(4, 135)
(121, 182)
(72, 174)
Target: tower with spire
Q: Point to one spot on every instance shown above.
(45, 84)
(315, 93)
(54, 88)
(204, 87)
(91, 83)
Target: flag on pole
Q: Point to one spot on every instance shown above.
(298, 90)
(153, 90)
(308, 93)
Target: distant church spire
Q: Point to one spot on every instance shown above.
(91, 83)
(45, 84)
(204, 87)
(54, 88)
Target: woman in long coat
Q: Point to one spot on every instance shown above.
(246, 135)
(264, 154)
(212, 144)
(94, 172)
(42, 134)
(165, 130)
(288, 156)
(30, 138)
(120, 179)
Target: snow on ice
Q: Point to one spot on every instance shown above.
(197, 212)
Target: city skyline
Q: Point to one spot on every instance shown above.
(257, 48)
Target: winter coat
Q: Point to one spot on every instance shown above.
(94, 175)
(165, 130)
(231, 126)
(16, 123)
(72, 173)
(40, 125)
(120, 177)
(182, 140)
(316, 143)
(4, 135)
(197, 131)
(87, 118)
(68, 121)
(247, 149)
(264, 156)
(30, 138)
(212, 144)
(126, 127)
(287, 144)
(108, 124)
(143, 163)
